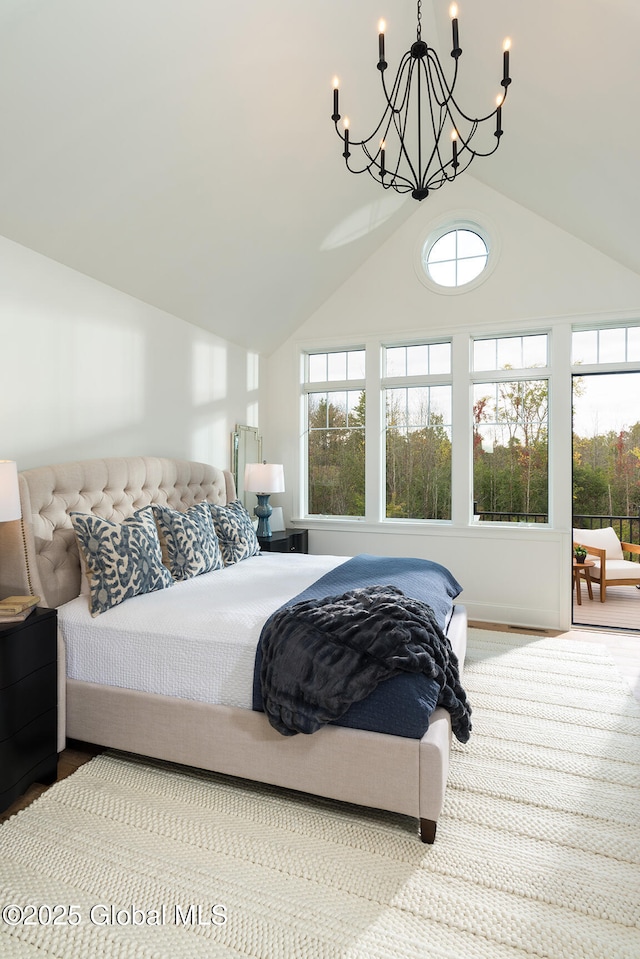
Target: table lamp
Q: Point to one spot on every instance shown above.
(263, 479)
(10, 507)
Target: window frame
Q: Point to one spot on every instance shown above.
(328, 386)
(512, 375)
(598, 364)
(408, 381)
(460, 220)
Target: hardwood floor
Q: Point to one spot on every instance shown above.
(623, 647)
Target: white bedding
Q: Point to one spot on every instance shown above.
(194, 640)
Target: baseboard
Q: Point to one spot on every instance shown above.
(508, 628)
(529, 620)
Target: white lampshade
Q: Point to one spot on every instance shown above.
(10, 507)
(264, 478)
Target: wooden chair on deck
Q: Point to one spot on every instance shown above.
(611, 568)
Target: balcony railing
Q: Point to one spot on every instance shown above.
(498, 517)
(627, 527)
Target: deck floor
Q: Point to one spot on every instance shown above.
(621, 609)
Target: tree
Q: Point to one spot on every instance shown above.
(510, 450)
(606, 476)
(418, 457)
(336, 454)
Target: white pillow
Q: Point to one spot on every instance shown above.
(600, 539)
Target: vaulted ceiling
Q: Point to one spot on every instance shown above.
(182, 150)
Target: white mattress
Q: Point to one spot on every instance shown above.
(195, 640)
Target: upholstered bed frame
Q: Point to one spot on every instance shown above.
(38, 554)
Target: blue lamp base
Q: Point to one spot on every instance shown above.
(263, 511)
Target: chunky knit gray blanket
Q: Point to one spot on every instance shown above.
(321, 655)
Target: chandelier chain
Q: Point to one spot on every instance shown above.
(419, 33)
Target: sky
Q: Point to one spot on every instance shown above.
(610, 401)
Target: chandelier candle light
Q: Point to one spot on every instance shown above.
(263, 479)
(420, 107)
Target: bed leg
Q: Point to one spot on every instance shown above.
(428, 831)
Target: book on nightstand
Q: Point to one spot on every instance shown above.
(15, 609)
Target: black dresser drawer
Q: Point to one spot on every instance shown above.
(30, 746)
(27, 646)
(28, 704)
(25, 700)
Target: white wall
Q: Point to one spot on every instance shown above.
(87, 371)
(544, 279)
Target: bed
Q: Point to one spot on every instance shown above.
(39, 555)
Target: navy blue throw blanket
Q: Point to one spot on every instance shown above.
(395, 665)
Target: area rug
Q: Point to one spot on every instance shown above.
(537, 852)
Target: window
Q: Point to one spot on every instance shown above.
(385, 453)
(418, 360)
(456, 253)
(510, 352)
(619, 345)
(335, 433)
(510, 432)
(456, 258)
(346, 365)
(418, 431)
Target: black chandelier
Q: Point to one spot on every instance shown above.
(429, 104)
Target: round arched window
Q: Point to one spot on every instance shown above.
(457, 252)
(456, 257)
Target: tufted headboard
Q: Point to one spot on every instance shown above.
(38, 554)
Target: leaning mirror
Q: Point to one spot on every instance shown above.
(247, 448)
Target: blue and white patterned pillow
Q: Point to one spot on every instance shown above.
(122, 560)
(235, 532)
(189, 539)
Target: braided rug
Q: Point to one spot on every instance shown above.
(537, 852)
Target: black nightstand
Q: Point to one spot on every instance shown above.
(290, 541)
(28, 704)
